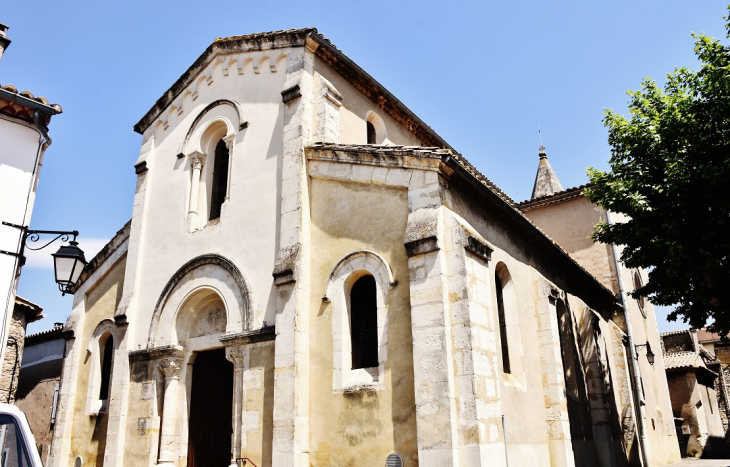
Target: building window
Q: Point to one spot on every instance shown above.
(106, 367)
(502, 323)
(219, 186)
(376, 131)
(357, 291)
(638, 283)
(364, 323)
(101, 352)
(371, 133)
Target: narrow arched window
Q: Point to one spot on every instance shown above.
(371, 133)
(641, 301)
(502, 323)
(364, 323)
(106, 367)
(219, 189)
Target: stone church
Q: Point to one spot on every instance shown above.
(313, 277)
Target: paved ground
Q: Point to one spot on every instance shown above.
(702, 463)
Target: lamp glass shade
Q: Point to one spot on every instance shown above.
(650, 355)
(68, 263)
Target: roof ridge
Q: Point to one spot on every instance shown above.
(266, 33)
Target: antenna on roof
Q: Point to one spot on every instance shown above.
(542, 147)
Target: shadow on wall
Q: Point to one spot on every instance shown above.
(716, 448)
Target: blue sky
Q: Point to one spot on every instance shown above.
(482, 74)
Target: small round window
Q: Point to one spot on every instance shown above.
(394, 460)
(641, 300)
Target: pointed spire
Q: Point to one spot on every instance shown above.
(546, 182)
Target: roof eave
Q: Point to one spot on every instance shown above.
(369, 86)
(513, 213)
(295, 38)
(29, 103)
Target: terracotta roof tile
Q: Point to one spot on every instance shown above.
(16, 104)
(703, 335)
(682, 361)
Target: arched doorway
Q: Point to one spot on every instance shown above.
(205, 300)
(211, 405)
(200, 322)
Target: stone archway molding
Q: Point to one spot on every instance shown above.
(203, 260)
(242, 123)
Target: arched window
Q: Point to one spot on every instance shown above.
(358, 290)
(105, 355)
(377, 133)
(219, 187)
(364, 323)
(502, 323)
(372, 135)
(638, 283)
(101, 365)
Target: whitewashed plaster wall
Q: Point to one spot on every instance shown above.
(247, 230)
(19, 170)
(354, 113)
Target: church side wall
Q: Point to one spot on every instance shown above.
(354, 112)
(570, 223)
(360, 427)
(663, 445)
(523, 400)
(522, 391)
(89, 432)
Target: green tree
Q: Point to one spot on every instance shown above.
(670, 174)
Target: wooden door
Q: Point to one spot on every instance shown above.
(211, 407)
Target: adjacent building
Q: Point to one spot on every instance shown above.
(24, 137)
(24, 313)
(38, 384)
(312, 276)
(568, 218)
(698, 394)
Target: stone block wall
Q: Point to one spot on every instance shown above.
(13, 357)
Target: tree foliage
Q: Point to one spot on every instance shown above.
(670, 174)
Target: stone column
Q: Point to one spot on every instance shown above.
(433, 362)
(170, 367)
(237, 355)
(290, 444)
(197, 161)
(229, 145)
(474, 334)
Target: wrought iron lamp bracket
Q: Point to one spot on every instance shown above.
(34, 236)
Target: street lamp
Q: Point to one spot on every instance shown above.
(649, 353)
(68, 261)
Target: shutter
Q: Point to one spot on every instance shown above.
(394, 460)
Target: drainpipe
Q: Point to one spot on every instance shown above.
(636, 386)
(46, 137)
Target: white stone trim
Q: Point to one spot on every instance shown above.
(94, 405)
(344, 275)
(381, 132)
(201, 145)
(207, 277)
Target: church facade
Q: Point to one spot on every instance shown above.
(313, 277)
